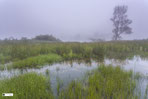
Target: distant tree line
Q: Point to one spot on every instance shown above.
(46, 38)
(49, 38)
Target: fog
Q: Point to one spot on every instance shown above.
(69, 20)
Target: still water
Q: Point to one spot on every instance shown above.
(68, 71)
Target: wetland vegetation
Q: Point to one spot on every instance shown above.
(66, 49)
(16, 51)
(27, 86)
(104, 82)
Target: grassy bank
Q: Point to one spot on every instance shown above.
(36, 62)
(105, 83)
(27, 86)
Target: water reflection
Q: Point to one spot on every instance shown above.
(137, 64)
(67, 71)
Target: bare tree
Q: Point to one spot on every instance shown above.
(120, 22)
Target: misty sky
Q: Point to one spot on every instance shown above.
(69, 19)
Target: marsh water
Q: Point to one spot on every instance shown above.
(65, 72)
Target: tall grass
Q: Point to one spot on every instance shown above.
(146, 93)
(105, 83)
(119, 50)
(27, 86)
(10, 52)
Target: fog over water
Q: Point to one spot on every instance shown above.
(69, 20)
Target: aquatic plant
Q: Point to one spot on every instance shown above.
(36, 62)
(98, 52)
(47, 72)
(146, 93)
(106, 82)
(14, 51)
(26, 86)
(2, 67)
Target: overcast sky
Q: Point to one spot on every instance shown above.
(69, 19)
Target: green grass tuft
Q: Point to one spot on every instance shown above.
(27, 86)
(37, 61)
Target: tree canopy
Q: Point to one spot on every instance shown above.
(46, 38)
(120, 22)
